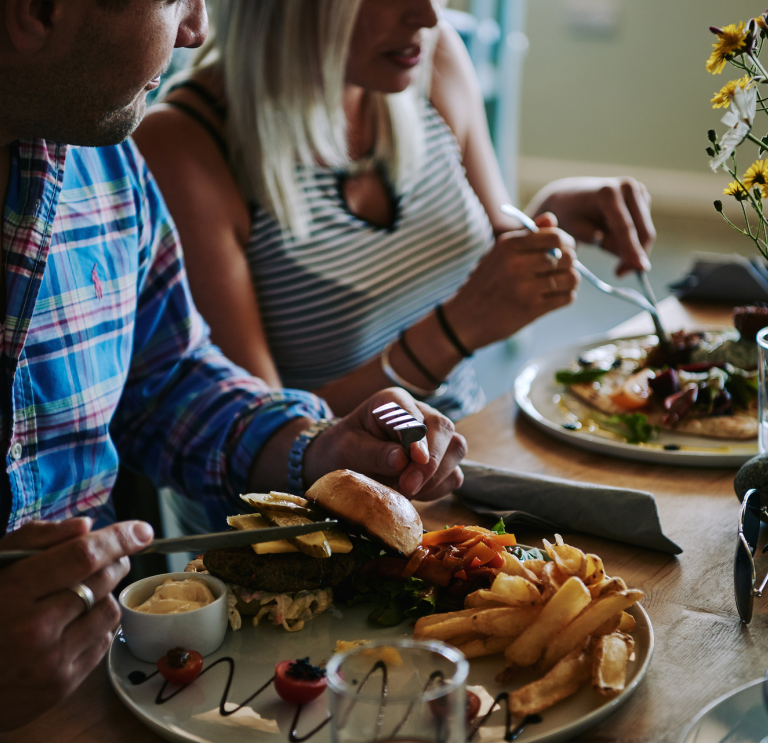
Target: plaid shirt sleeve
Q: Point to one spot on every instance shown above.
(188, 417)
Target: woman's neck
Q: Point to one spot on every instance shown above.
(360, 130)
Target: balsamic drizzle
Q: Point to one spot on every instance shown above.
(139, 677)
(509, 733)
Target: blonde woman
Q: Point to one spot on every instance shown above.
(329, 168)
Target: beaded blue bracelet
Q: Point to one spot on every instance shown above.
(298, 450)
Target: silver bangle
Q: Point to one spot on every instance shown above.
(395, 378)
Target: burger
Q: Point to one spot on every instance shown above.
(291, 581)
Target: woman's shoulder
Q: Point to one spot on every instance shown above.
(454, 83)
(191, 117)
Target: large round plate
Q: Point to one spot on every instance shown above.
(255, 651)
(536, 392)
(739, 716)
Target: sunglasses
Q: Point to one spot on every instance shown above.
(744, 576)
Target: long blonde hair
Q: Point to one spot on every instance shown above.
(283, 64)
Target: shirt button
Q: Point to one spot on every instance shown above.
(16, 451)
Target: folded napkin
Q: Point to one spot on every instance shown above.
(628, 516)
(724, 278)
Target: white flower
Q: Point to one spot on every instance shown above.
(739, 119)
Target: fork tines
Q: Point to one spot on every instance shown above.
(410, 429)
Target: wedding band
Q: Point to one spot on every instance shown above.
(554, 256)
(85, 593)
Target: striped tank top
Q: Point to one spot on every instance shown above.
(334, 300)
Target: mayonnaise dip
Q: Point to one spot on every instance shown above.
(176, 596)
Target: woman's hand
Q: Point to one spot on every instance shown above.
(611, 212)
(517, 281)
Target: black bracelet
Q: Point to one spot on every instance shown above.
(412, 358)
(448, 330)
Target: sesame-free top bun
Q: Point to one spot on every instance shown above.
(378, 510)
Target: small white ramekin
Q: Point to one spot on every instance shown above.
(151, 636)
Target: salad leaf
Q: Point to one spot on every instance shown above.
(567, 376)
(499, 527)
(634, 427)
(396, 601)
(742, 386)
(534, 553)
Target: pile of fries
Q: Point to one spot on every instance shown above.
(564, 617)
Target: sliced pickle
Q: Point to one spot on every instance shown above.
(280, 503)
(314, 545)
(245, 521)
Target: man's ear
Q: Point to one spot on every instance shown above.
(30, 22)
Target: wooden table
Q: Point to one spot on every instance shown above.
(702, 649)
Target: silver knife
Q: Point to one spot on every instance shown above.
(203, 542)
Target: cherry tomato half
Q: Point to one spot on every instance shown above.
(294, 689)
(180, 666)
(440, 708)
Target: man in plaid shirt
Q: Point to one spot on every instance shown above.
(103, 356)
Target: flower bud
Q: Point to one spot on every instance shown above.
(715, 30)
(712, 134)
(710, 152)
(719, 206)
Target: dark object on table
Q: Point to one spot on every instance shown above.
(753, 474)
(749, 321)
(278, 573)
(718, 278)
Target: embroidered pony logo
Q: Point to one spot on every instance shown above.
(97, 281)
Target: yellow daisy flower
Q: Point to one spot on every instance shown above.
(761, 22)
(757, 176)
(733, 189)
(724, 97)
(729, 40)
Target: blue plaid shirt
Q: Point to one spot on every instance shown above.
(104, 356)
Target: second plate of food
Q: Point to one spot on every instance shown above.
(552, 407)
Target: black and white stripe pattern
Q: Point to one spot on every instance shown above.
(331, 302)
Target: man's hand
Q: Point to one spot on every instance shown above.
(362, 443)
(48, 644)
(611, 212)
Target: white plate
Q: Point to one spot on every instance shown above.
(536, 392)
(256, 650)
(737, 717)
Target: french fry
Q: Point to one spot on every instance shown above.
(609, 585)
(570, 560)
(552, 578)
(557, 613)
(535, 566)
(595, 570)
(612, 625)
(609, 666)
(512, 590)
(564, 679)
(593, 617)
(465, 639)
(513, 566)
(420, 628)
(486, 646)
(627, 623)
(444, 630)
(508, 621)
(476, 601)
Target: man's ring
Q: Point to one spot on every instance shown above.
(85, 593)
(554, 256)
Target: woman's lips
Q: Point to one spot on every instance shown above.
(405, 58)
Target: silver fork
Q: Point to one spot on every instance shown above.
(410, 429)
(628, 295)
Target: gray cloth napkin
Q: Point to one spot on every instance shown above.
(628, 516)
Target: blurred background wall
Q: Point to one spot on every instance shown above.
(613, 86)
